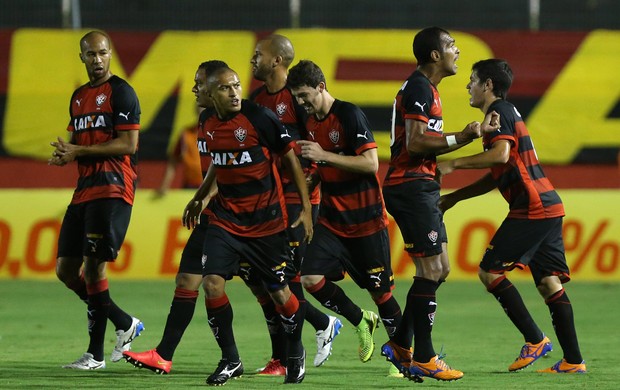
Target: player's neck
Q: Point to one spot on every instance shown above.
(275, 82)
(432, 73)
(326, 106)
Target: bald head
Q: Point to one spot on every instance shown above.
(94, 36)
(280, 45)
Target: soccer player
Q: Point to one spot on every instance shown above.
(248, 218)
(272, 57)
(104, 127)
(411, 196)
(189, 275)
(531, 234)
(351, 231)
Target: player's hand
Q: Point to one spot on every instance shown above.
(191, 214)
(445, 168)
(490, 123)
(311, 150)
(472, 131)
(445, 203)
(305, 217)
(64, 152)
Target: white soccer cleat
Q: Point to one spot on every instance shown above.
(124, 339)
(86, 362)
(324, 340)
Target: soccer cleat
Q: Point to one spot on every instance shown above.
(435, 368)
(397, 355)
(295, 369)
(273, 367)
(149, 359)
(125, 337)
(365, 331)
(324, 340)
(225, 370)
(86, 362)
(563, 367)
(530, 353)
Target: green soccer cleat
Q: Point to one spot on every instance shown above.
(365, 331)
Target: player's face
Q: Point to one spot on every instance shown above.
(262, 61)
(96, 55)
(309, 98)
(449, 55)
(200, 89)
(476, 91)
(226, 93)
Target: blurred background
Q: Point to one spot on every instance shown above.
(564, 53)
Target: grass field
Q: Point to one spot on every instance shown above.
(42, 326)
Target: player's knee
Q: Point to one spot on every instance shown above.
(188, 281)
(485, 277)
(548, 286)
(308, 281)
(213, 286)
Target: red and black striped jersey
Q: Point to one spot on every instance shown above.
(521, 180)
(97, 115)
(250, 201)
(293, 116)
(417, 99)
(351, 203)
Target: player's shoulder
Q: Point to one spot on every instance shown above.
(256, 92)
(505, 109)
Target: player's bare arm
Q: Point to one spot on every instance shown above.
(420, 142)
(204, 193)
(305, 217)
(497, 154)
(125, 143)
(367, 162)
(480, 187)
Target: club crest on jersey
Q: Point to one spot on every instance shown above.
(100, 99)
(240, 134)
(334, 136)
(281, 109)
(433, 236)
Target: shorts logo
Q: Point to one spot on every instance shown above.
(507, 263)
(240, 134)
(334, 136)
(204, 260)
(281, 109)
(100, 99)
(433, 236)
(376, 279)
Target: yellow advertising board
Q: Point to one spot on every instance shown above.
(30, 221)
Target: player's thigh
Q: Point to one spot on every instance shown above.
(105, 224)
(369, 263)
(413, 206)
(325, 255)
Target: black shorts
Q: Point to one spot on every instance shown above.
(365, 259)
(191, 258)
(413, 205)
(536, 243)
(296, 235)
(94, 229)
(267, 256)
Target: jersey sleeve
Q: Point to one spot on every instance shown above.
(417, 100)
(357, 128)
(126, 108)
(508, 116)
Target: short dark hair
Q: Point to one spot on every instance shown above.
(212, 65)
(426, 41)
(498, 71)
(307, 73)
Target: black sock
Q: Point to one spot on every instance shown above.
(179, 317)
(98, 308)
(390, 314)
(292, 317)
(564, 324)
(333, 297)
(220, 317)
(119, 318)
(316, 318)
(423, 303)
(274, 326)
(508, 296)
